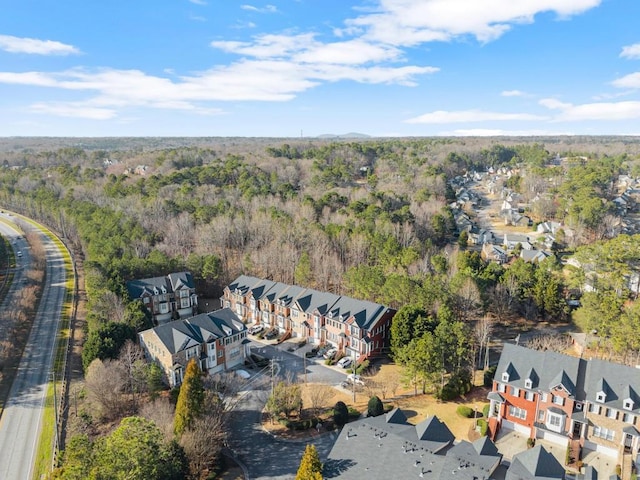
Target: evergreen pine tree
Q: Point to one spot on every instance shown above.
(190, 398)
(310, 465)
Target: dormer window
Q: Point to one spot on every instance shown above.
(528, 383)
(628, 404)
(505, 376)
(600, 397)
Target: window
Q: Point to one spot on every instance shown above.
(544, 397)
(516, 412)
(502, 387)
(611, 413)
(145, 300)
(540, 415)
(604, 433)
(238, 309)
(528, 396)
(600, 397)
(505, 377)
(184, 303)
(628, 418)
(628, 404)
(554, 421)
(164, 307)
(234, 352)
(593, 408)
(515, 391)
(558, 400)
(528, 383)
(220, 353)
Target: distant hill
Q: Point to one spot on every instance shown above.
(345, 135)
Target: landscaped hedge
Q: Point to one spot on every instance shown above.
(458, 385)
(485, 411)
(484, 427)
(305, 424)
(464, 411)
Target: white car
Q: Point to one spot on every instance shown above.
(19, 254)
(355, 378)
(256, 329)
(330, 353)
(345, 362)
(243, 374)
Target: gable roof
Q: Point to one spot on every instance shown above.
(551, 368)
(181, 280)
(618, 382)
(148, 286)
(535, 464)
(183, 334)
(372, 448)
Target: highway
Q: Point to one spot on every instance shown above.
(21, 419)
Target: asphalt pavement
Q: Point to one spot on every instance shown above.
(21, 419)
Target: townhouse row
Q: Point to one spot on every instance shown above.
(357, 328)
(567, 399)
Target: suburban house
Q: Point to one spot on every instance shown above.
(356, 328)
(534, 256)
(217, 340)
(561, 398)
(511, 241)
(166, 298)
(389, 447)
(494, 253)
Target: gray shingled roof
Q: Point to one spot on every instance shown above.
(243, 284)
(181, 279)
(534, 464)
(137, 288)
(313, 300)
(372, 448)
(551, 368)
(181, 334)
(618, 382)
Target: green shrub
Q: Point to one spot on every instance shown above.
(305, 424)
(485, 410)
(362, 367)
(464, 411)
(340, 414)
(484, 426)
(488, 376)
(375, 407)
(458, 384)
(354, 414)
(531, 442)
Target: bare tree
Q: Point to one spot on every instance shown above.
(105, 383)
(132, 360)
(553, 343)
(161, 412)
(482, 332)
(203, 442)
(500, 302)
(319, 395)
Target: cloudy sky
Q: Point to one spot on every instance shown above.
(285, 68)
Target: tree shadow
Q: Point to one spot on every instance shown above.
(334, 468)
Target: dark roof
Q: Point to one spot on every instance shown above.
(618, 382)
(551, 368)
(372, 448)
(181, 334)
(534, 464)
(149, 286)
(181, 280)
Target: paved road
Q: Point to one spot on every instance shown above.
(266, 457)
(21, 419)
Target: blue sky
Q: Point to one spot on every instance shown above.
(283, 68)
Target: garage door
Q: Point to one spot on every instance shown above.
(506, 424)
(608, 451)
(553, 437)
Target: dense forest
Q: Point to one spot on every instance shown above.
(374, 219)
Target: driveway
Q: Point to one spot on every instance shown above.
(264, 456)
(510, 443)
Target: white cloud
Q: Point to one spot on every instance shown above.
(73, 109)
(464, 116)
(607, 111)
(265, 9)
(268, 46)
(488, 132)
(513, 93)
(410, 22)
(631, 51)
(12, 44)
(628, 81)
(198, 2)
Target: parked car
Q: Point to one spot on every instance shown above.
(19, 254)
(271, 334)
(355, 378)
(256, 329)
(330, 353)
(345, 362)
